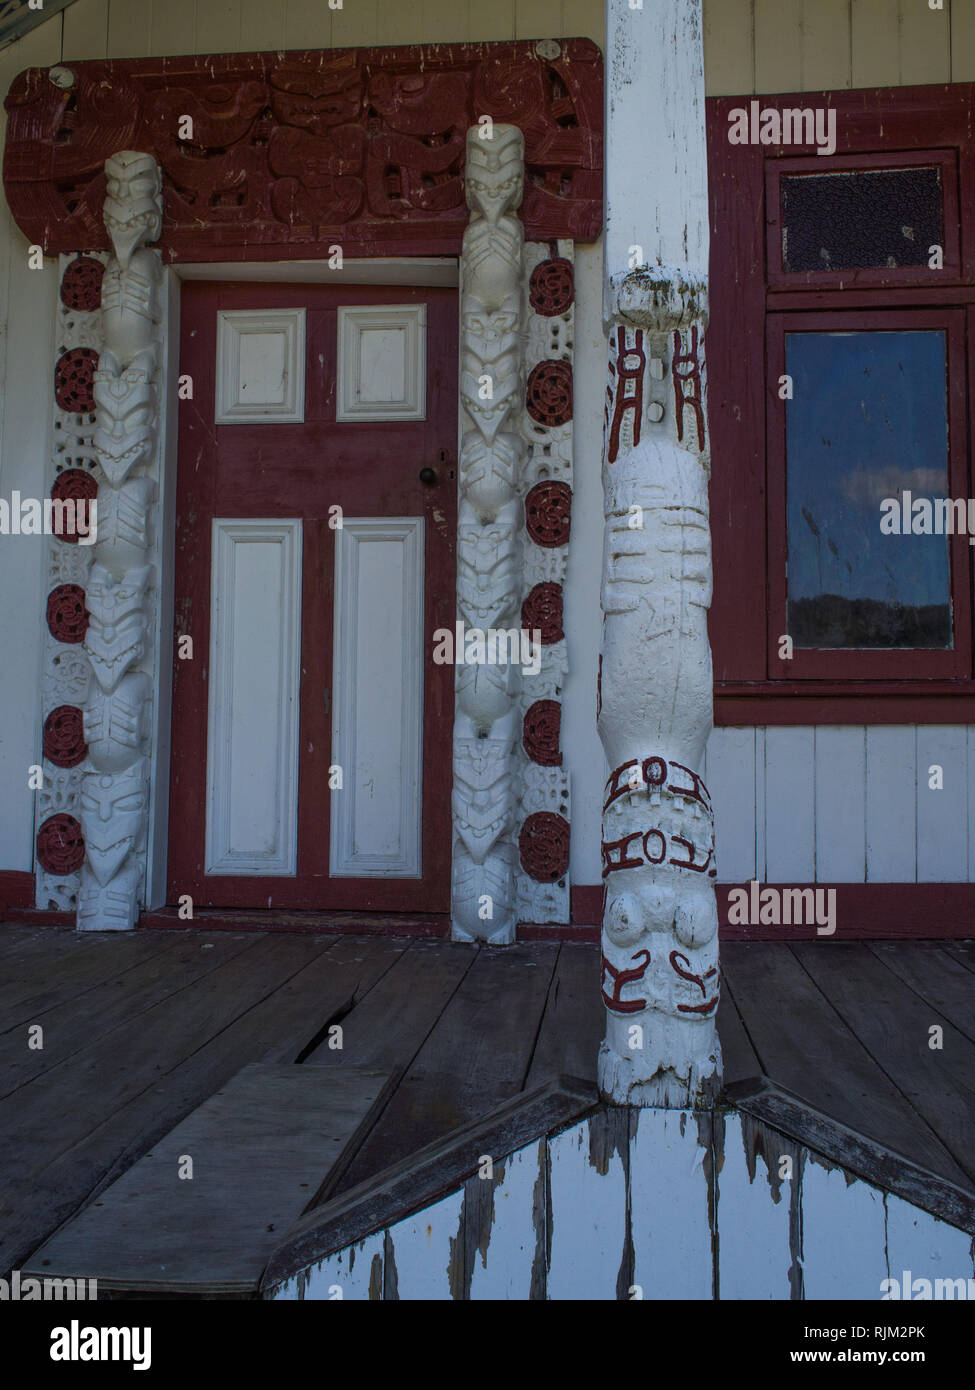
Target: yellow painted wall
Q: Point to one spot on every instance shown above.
(750, 45)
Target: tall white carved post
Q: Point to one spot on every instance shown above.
(487, 715)
(660, 947)
(118, 642)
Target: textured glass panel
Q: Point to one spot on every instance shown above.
(880, 217)
(868, 420)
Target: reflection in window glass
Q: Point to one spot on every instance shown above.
(868, 420)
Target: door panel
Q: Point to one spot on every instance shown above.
(321, 644)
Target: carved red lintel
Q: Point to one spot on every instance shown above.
(293, 152)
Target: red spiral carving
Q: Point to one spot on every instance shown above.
(67, 617)
(64, 736)
(544, 846)
(548, 513)
(74, 485)
(551, 288)
(541, 731)
(542, 609)
(74, 379)
(60, 845)
(81, 287)
(548, 395)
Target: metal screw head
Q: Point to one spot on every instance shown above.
(61, 77)
(548, 48)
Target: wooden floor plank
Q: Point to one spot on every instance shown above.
(804, 1045)
(73, 1025)
(390, 1022)
(739, 1059)
(573, 1021)
(938, 978)
(275, 1029)
(260, 1149)
(892, 1023)
(477, 1055)
(71, 1099)
(963, 951)
(39, 977)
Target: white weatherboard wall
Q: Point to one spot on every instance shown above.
(252, 726)
(844, 804)
(674, 1212)
(377, 703)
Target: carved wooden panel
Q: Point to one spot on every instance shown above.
(287, 151)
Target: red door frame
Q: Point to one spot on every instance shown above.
(247, 487)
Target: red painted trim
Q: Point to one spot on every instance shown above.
(558, 931)
(32, 916)
(435, 925)
(779, 279)
(872, 911)
(586, 903)
(16, 889)
(759, 704)
(294, 152)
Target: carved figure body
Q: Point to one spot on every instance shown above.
(491, 387)
(660, 924)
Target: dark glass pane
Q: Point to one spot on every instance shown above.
(880, 217)
(868, 420)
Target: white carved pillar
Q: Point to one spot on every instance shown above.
(487, 715)
(660, 947)
(119, 640)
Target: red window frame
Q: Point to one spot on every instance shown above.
(877, 128)
(777, 169)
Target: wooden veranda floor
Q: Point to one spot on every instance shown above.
(140, 1029)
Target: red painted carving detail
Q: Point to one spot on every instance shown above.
(687, 384)
(74, 379)
(360, 147)
(551, 288)
(653, 774)
(615, 1001)
(60, 845)
(621, 854)
(67, 617)
(74, 485)
(541, 730)
(599, 687)
(710, 1004)
(64, 736)
(548, 395)
(542, 611)
(81, 286)
(624, 394)
(544, 846)
(548, 513)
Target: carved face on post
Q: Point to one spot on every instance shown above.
(495, 172)
(113, 816)
(133, 202)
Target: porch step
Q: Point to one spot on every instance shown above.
(264, 1149)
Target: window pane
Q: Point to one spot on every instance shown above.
(880, 217)
(868, 420)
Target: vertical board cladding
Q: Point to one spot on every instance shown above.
(844, 803)
(544, 805)
(826, 45)
(133, 28)
(649, 1204)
